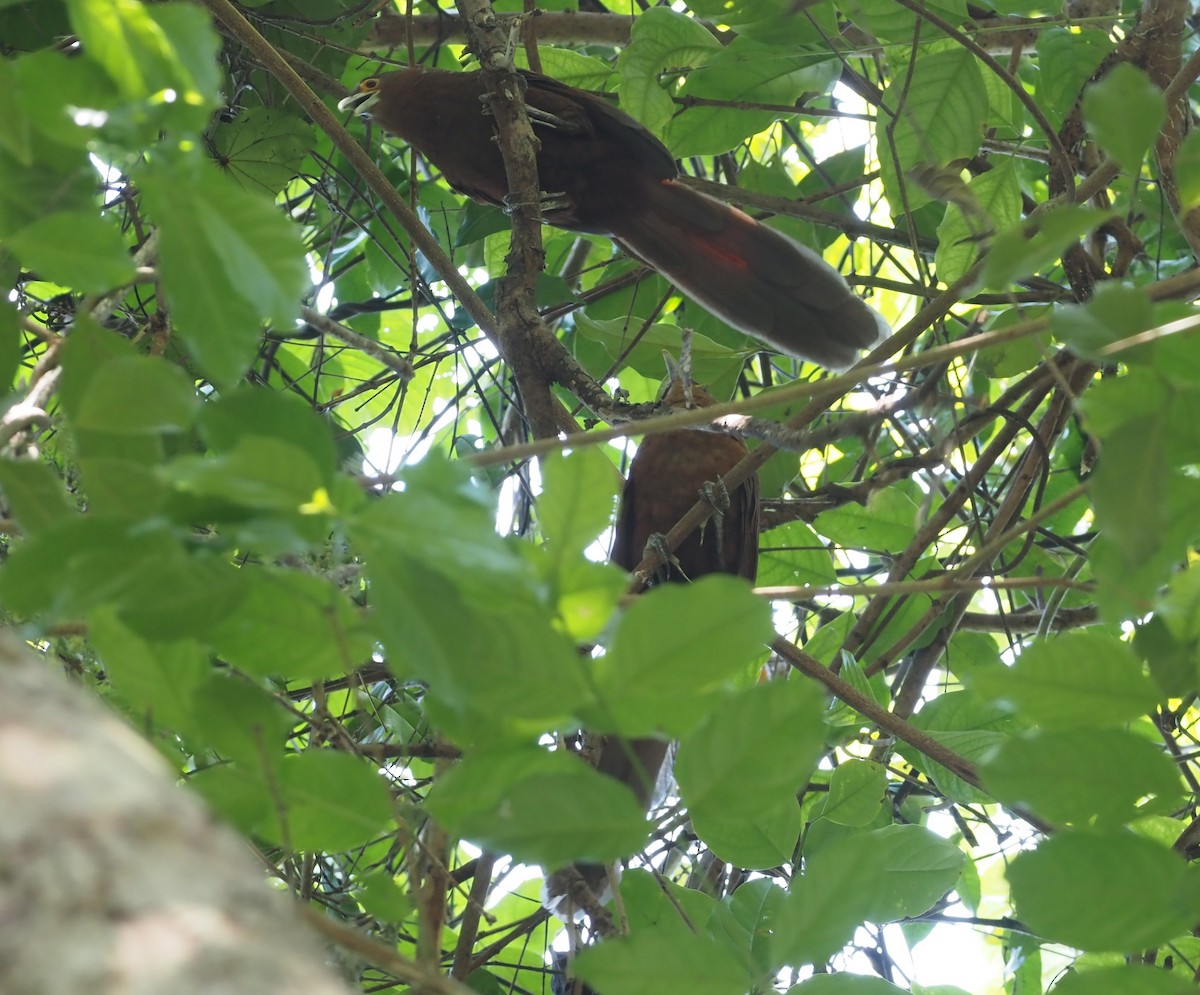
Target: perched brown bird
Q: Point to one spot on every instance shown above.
(665, 480)
(603, 173)
(667, 476)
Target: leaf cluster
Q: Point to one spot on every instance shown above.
(375, 637)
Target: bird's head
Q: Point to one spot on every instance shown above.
(364, 97)
(678, 390)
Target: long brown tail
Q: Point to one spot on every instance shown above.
(754, 277)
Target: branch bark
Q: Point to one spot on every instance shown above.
(115, 881)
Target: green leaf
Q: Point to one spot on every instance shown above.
(258, 473)
(1074, 680)
(887, 522)
(1031, 247)
(914, 868)
(568, 66)
(1180, 606)
(1054, 774)
(662, 959)
(857, 791)
(588, 595)
(137, 395)
(78, 249)
(262, 148)
(382, 898)
(576, 504)
(1067, 57)
(247, 411)
(844, 983)
(294, 625)
(434, 559)
(728, 763)
(119, 486)
(1139, 394)
(1128, 580)
(1104, 891)
(48, 88)
(154, 679)
(83, 562)
(61, 179)
(240, 796)
(239, 722)
(179, 594)
(1115, 312)
(760, 838)
(710, 359)
(1125, 979)
(331, 801)
(15, 126)
(230, 260)
(996, 203)
(543, 808)
(1129, 488)
(1171, 661)
(969, 726)
(10, 349)
(745, 70)
(660, 39)
(746, 919)
(1123, 112)
(33, 494)
(940, 111)
(824, 905)
(148, 50)
(793, 554)
(672, 650)
(1187, 172)
(891, 22)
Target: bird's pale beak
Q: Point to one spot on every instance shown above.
(361, 103)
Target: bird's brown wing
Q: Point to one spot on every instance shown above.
(744, 517)
(624, 554)
(595, 116)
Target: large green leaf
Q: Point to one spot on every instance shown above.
(660, 39)
(745, 70)
(939, 110)
(1123, 112)
(151, 49)
(330, 801)
(294, 625)
(676, 647)
(544, 808)
(1126, 979)
(1067, 57)
(578, 492)
(746, 920)
(729, 765)
(1074, 680)
(77, 248)
(888, 521)
(663, 958)
(229, 260)
(1053, 773)
(1104, 891)
(857, 791)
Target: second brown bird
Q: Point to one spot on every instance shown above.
(666, 478)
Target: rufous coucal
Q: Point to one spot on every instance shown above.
(604, 173)
(666, 477)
